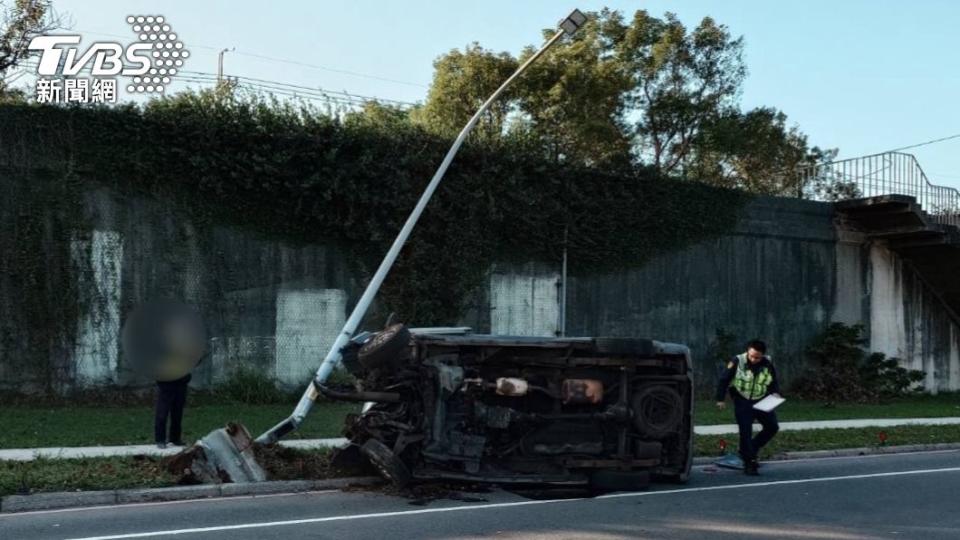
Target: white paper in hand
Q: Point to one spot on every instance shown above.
(768, 403)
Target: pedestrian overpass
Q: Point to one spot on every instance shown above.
(889, 199)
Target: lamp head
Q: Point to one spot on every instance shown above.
(573, 22)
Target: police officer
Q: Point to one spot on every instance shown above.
(750, 377)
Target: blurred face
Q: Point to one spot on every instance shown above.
(754, 355)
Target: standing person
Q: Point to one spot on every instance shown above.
(171, 398)
(750, 377)
(165, 340)
(183, 347)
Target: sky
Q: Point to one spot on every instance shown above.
(861, 76)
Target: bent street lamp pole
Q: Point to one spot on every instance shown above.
(567, 26)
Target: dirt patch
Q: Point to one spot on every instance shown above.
(279, 462)
(179, 465)
(283, 463)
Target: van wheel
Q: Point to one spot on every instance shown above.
(385, 348)
(386, 462)
(658, 410)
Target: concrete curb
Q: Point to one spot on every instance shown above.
(867, 451)
(73, 499)
(847, 452)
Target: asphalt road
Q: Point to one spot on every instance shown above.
(911, 496)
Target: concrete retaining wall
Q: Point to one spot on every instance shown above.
(783, 274)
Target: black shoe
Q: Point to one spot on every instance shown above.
(161, 445)
(751, 468)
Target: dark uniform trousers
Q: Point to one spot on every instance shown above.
(745, 413)
(171, 398)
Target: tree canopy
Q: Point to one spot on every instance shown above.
(20, 22)
(629, 93)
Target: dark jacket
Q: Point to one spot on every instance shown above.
(182, 381)
(730, 371)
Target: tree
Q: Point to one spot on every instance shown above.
(680, 80)
(572, 98)
(20, 22)
(377, 114)
(461, 83)
(753, 150)
(622, 95)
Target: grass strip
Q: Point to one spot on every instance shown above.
(32, 427)
(93, 474)
(794, 410)
(87, 474)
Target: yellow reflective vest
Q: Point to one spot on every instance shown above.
(751, 386)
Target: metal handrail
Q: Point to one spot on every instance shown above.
(887, 173)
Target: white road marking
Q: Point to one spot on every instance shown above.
(781, 482)
(352, 517)
(165, 503)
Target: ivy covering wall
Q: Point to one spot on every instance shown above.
(304, 177)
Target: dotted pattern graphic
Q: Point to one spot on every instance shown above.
(167, 54)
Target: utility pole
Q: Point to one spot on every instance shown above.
(563, 288)
(220, 64)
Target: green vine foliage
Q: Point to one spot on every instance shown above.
(35, 274)
(350, 180)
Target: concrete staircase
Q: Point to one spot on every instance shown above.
(931, 248)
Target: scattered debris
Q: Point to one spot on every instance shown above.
(277, 462)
